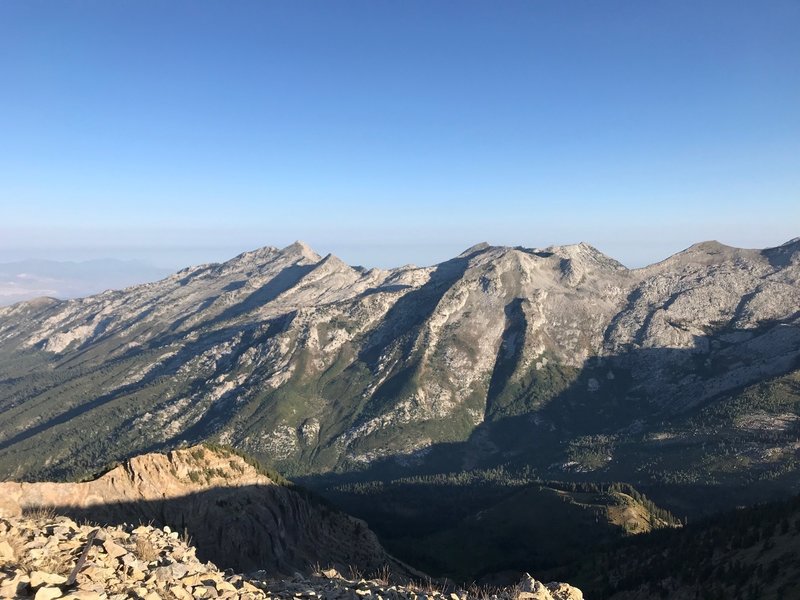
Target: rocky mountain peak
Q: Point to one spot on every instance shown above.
(480, 247)
(331, 262)
(587, 255)
(712, 247)
(301, 250)
(701, 256)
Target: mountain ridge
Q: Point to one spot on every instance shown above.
(304, 251)
(540, 356)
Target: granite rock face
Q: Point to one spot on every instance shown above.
(317, 365)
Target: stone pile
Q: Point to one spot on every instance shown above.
(330, 585)
(38, 555)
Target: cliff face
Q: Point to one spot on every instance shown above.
(236, 516)
(317, 366)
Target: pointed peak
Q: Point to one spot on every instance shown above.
(253, 258)
(297, 246)
(301, 250)
(331, 261)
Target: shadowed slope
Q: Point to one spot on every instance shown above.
(318, 366)
(236, 515)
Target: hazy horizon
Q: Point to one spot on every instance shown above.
(385, 256)
(71, 274)
(392, 133)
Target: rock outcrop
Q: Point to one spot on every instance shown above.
(42, 554)
(530, 589)
(236, 515)
(50, 557)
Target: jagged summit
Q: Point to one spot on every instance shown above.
(572, 260)
(586, 254)
(319, 366)
(787, 248)
(785, 254)
(301, 249)
(296, 250)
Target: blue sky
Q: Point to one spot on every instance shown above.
(395, 132)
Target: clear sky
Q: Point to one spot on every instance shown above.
(395, 132)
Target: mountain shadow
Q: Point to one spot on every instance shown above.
(509, 353)
(283, 281)
(248, 528)
(470, 526)
(404, 318)
(692, 451)
(740, 554)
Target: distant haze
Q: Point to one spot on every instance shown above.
(23, 280)
(394, 132)
(174, 250)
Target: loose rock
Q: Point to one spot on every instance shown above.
(148, 563)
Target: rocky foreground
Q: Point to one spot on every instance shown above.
(236, 515)
(41, 558)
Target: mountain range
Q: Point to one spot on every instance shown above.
(680, 377)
